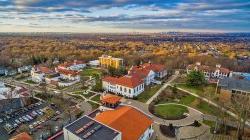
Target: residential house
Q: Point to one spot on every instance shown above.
(38, 73)
(216, 72)
(2, 70)
(10, 72)
(68, 74)
(149, 72)
(22, 136)
(76, 65)
(24, 69)
(130, 86)
(94, 63)
(109, 61)
(233, 86)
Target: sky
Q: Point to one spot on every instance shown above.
(93, 16)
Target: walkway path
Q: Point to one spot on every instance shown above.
(212, 103)
(161, 89)
(193, 114)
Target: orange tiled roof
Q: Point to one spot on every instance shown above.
(128, 81)
(44, 69)
(143, 70)
(68, 72)
(131, 122)
(110, 98)
(22, 136)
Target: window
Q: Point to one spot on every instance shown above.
(120, 88)
(125, 89)
(129, 90)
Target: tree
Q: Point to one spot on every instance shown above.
(196, 78)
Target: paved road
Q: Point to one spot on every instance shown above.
(161, 89)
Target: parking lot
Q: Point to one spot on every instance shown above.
(29, 118)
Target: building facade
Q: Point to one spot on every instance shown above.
(128, 86)
(109, 61)
(216, 72)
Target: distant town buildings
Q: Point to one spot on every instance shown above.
(210, 72)
(109, 61)
(94, 63)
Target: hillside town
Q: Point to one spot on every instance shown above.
(104, 99)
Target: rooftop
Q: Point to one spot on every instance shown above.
(128, 81)
(128, 120)
(21, 136)
(110, 98)
(89, 129)
(235, 84)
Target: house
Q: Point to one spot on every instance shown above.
(10, 72)
(68, 74)
(109, 61)
(22, 136)
(24, 69)
(87, 128)
(130, 86)
(121, 123)
(233, 86)
(38, 73)
(94, 63)
(216, 72)
(148, 72)
(4, 89)
(109, 101)
(76, 65)
(2, 71)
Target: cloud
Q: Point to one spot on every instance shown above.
(142, 14)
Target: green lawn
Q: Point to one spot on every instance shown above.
(94, 105)
(148, 92)
(170, 110)
(30, 82)
(85, 95)
(91, 72)
(96, 98)
(209, 123)
(187, 100)
(208, 89)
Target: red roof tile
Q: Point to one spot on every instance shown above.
(128, 81)
(22, 136)
(128, 120)
(67, 72)
(110, 98)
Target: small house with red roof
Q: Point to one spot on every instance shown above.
(38, 73)
(210, 72)
(76, 65)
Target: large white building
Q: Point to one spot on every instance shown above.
(129, 86)
(38, 73)
(216, 72)
(121, 123)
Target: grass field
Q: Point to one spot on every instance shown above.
(94, 105)
(96, 98)
(149, 92)
(170, 110)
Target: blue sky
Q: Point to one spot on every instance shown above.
(124, 15)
